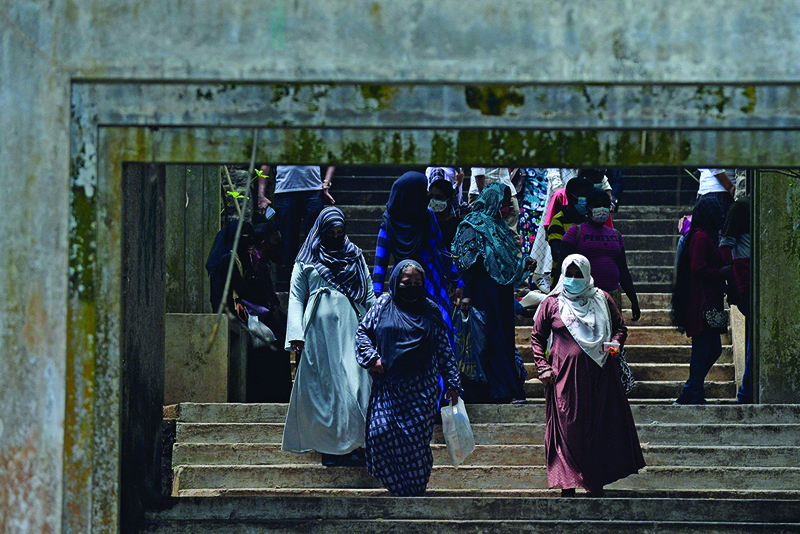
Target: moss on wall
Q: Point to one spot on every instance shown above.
(779, 242)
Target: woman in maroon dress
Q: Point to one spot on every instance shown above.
(590, 438)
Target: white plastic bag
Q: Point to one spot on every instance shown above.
(457, 432)
(261, 333)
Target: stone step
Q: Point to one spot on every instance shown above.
(637, 335)
(644, 372)
(647, 258)
(508, 413)
(680, 455)
(650, 301)
(650, 242)
(427, 526)
(634, 226)
(525, 433)
(657, 197)
(652, 274)
(445, 509)
(630, 210)
(479, 477)
(655, 389)
(649, 317)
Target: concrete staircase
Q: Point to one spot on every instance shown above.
(714, 468)
(651, 205)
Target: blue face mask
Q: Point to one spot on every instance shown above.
(580, 205)
(574, 285)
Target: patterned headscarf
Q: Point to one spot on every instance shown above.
(482, 234)
(344, 269)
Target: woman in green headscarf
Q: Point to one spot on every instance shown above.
(486, 254)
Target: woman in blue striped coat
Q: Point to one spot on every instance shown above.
(409, 231)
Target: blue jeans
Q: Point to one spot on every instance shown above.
(706, 349)
(745, 394)
(296, 211)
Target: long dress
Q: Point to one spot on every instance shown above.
(499, 357)
(402, 410)
(328, 407)
(590, 436)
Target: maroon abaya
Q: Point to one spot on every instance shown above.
(590, 437)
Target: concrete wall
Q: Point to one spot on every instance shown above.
(777, 332)
(143, 298)
(193, 372)
(47, 391)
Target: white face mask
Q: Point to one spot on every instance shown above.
(437, 206)
(600, 215)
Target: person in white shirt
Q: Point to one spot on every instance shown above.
(717, 183)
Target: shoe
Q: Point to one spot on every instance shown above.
(676, 403)
(330, 460)
(357, 458)
(568, 492)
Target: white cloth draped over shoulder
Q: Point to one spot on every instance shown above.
(328, 407)
(585, 314)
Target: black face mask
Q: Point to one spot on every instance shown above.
(410, 293)
(332, 243)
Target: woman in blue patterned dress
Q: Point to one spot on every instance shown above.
(403, 342)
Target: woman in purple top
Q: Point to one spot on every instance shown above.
(699, 286)
(590, 435)
(605, 249)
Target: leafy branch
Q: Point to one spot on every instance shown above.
(251, 176)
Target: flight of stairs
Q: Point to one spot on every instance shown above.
(721, 467)
(740, 462)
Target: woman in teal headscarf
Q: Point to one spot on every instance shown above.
(486, 254)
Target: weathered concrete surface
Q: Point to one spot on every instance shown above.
(777, 249)
(53, 400)
(507, 413)
(193, 374)
(142, 371)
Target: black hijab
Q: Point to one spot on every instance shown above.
(222, 247)
(406, 330)
(407, 219)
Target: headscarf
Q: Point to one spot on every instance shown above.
(407, 329)
(447, 174)
(344, 268)
(222, 246)
(708, 216)
(407, 219)
(482, 234)
(585, 314)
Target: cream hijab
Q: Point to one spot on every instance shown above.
(585, 314)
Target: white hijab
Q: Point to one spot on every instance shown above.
(585, 314)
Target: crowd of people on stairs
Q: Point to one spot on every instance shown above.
(375, 360)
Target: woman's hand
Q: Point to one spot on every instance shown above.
(457, 295)
(530, 264)
(452, 396)
(466, 304)
(547, 377)
(297, 345)
(636, 313)
(378, 366)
